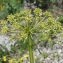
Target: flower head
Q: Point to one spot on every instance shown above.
(11, 61)
(4, 58)
(21, 59)
(26, 56)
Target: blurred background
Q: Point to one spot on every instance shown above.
(12, 6)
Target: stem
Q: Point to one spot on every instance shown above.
(30, 48)
(30, 43)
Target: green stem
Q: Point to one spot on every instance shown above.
(30, 44)
(30, 48)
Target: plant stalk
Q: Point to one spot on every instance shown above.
(30, 48)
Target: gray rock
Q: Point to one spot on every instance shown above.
(5, 41)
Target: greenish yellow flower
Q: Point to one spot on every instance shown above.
(38, 12)
(47, 14)
(10, 60)
(4, 30)
(20, 24)
(10, 18)
(16, 26)
(4, 58)
(26, 12)
(21, 59)
(26, 56)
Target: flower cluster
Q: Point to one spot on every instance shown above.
(17, 25)
(16, 60)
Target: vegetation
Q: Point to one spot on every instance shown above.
(60, 19)
(11, 7)
(27, 27)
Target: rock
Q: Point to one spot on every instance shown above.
(5, 42)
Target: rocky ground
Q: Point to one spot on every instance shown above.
(49, 55)
(44, 54)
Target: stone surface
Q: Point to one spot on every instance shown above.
(5, 41)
